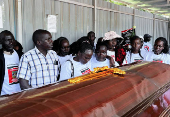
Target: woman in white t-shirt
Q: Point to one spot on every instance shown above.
(160, 52)
(135, 55)
(62, 47)
(99, 59)
(78, 65)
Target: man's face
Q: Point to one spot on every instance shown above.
(65, 47)
(7, 43)
(136, 44)
(101, 53)
(147, 39)
(86, 56)
(46, 42)
(158, 47)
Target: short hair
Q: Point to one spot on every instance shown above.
(85, 46)
(5, 33)
(98, 45)
(134, 38)
(166, 48)
(100, 40)
(37, 35)
(57, 43)
(89, 33)
(82, 39)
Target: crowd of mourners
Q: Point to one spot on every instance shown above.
(52, 61)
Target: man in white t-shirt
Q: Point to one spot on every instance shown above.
(9, 62)
(146, 45)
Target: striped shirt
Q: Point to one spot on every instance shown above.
(38, 69)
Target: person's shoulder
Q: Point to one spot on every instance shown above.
(32, 51)
(148, 54)
(167, 55)
(52, 51)
(128, 52)
(67, 64)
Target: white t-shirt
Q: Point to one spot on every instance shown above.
(11, 83)
(79, 69)
(131, 57)
(112, 54)
(161, 58)
(64, 59)
(95, 63)
(147, 47)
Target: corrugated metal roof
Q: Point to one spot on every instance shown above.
(161, 7)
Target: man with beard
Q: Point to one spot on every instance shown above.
(9, 62)
(40, 65)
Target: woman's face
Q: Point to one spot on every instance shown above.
(136, 45)
(101, 53)
(158, 47)
(112, 43)
(85, 57)
(65, 47)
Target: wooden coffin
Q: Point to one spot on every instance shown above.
(142, 92)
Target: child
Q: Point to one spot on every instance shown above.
(9, 62)
(78, 65)
(111, 41)
(100, 59)
(134, 54)
(62, 47)
(160, 52)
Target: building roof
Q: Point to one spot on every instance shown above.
(161, 7)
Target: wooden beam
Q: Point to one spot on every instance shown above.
(149, 2)
(165, 12)
(76, 3)
(151, 6)
(127, 3)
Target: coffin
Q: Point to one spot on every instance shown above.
(144, 91)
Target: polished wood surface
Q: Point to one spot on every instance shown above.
(135, 94)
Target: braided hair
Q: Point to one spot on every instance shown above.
(131, 41)
(57, 44)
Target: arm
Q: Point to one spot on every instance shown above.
(23, 73)
(112, 62)
(24, 84)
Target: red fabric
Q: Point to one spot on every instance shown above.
(120, 55)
